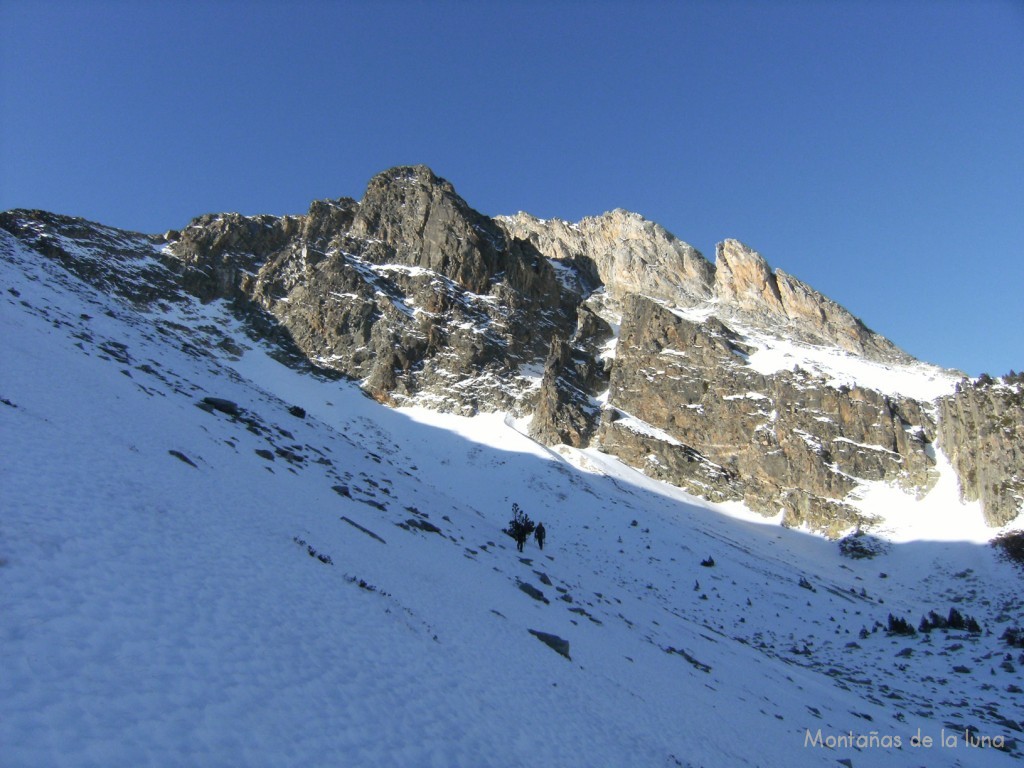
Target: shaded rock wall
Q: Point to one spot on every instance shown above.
(982, 432)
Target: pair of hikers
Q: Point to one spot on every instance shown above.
(538, 533)
(521, 526)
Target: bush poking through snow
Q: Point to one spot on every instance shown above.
(900, 626)
(1014, 636)
(1012, 545)
(955, 620)
(860, 546)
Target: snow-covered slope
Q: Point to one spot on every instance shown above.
(771, 353)
(292, 574)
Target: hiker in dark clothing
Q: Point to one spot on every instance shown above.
(539, 534)
(521, 535)
(519, 527)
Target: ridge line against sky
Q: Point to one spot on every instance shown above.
(872, 149)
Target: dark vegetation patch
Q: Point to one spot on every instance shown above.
(861, 546)
(955, 620)
(900, 626)
(1014, 636)
(1011, 545)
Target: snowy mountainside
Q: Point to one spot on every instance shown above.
(732, 381)
(211, 558)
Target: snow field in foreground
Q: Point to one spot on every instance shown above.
(154, 612)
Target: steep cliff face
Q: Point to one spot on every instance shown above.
(622, 252)
(749, 290)
(982, 432)
(791, 442)
(731, 380)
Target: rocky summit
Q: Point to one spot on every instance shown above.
(729, 379)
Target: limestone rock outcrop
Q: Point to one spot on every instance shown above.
(410, 216)
(621, 251)
(750, 291)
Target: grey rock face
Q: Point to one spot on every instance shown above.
(564, 413)
(409, 290)
(609, 332)
(219, 253)
(410, 216)
(982, 432)
(784, 442)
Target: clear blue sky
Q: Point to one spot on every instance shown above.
(873, 149)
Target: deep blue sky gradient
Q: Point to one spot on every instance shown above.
(873, 149)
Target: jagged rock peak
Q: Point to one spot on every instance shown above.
(411, 216)
(410, 176)
(623, 251)
(746, 287)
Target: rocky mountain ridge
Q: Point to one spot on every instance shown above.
(610, 331)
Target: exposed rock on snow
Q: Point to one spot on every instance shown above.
(554, 642)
